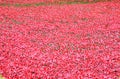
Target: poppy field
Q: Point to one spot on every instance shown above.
(70, 41)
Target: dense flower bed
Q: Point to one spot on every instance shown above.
(60, 42)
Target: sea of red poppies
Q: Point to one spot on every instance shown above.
(77, 41)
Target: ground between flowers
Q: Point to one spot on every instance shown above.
(78, 41)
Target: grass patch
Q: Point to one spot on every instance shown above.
(38, 4)
(5, 4)
(17, 5)
(75, 2)
(42, 3)
(27, 5)
(1, 77)
(22, 5)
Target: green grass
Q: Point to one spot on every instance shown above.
(21, 5)
(1, 77)
(41, 3)
(3, 4)
(38, 4)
